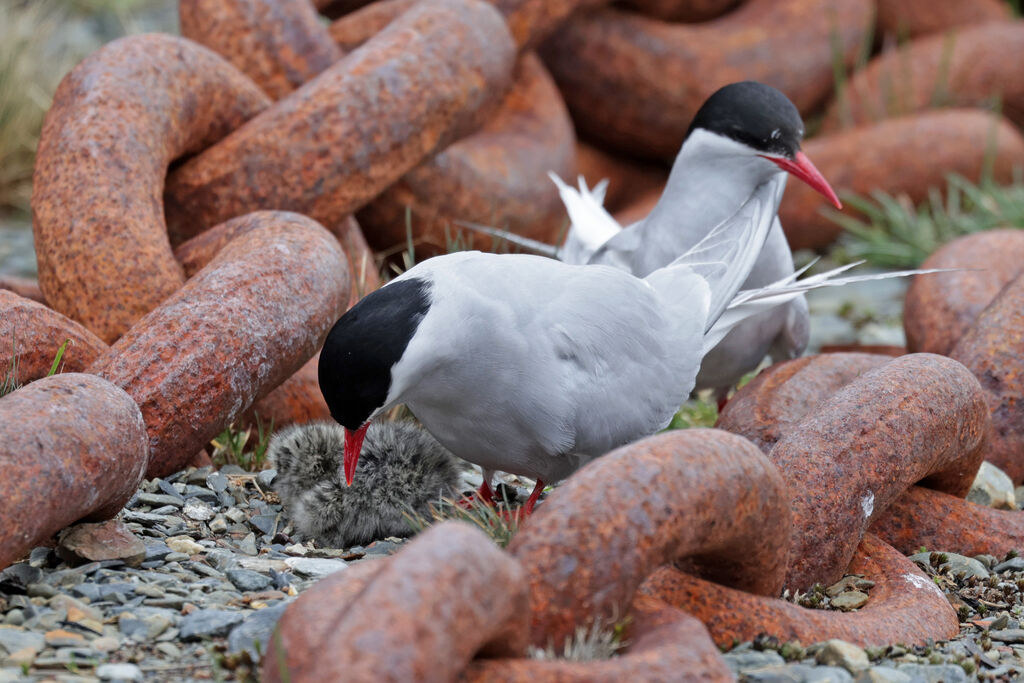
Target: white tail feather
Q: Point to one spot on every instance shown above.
(750, 302)
(590, 224)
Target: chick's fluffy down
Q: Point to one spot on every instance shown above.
(402, 468)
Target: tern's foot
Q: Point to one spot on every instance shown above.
(484, 494)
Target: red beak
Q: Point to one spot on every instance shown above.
(803, 169)
(353, 446)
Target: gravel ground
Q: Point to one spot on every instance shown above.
(188, 582)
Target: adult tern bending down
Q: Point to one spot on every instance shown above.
(528, 365)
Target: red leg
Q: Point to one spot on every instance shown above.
(484, 493)
(722, 400)
(528, 508)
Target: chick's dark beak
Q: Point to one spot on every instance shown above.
(801, 167)
(353, 446)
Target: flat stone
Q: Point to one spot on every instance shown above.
(264, 523)
(797, 673)
(158, 499)
(848, 583)
(156, 550)
(265, 478)
(105, 644)
(63, 638)
(198, 510)
(938, 673)
(184, 544)
(76, 609)
(883, 674)
(262, 564)
(169, 649)
(248, 545)
(176, 557)
(17, 577)
(850, 600)
(216, 482)
(209, 623)
(955, 564)
(993, 488)
(110, 540)
(218, 525)
(313, 567)
(41, 590)
(257, 628)
(1015, 564)
(119, 672)
(247, 580)
(1013, 635)
(841, 653)
(752, 659)
(13, 638)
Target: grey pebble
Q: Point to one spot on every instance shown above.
(248, 545)
(1015, 564)
(216, 482)
(198, 510)
(938, 673)
(752, 659)
(883, 674)
(41, 590)
(257, 628)
(12, 639)
(168, 488)
(158, 499)
(313, 567)
(265, 478)
(176, 557)
(1014, 635)
(247, 580)
(264, 523)
(209, 623)
(797, 673)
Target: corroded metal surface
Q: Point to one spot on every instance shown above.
(22, 286)
(918, 418)
(297, 400)
(279, 44)
(236, 330)
(422, 615)
(71, 446)
(682, 10)
(338, 141)
(771, 404)
(497, 176)
(975, 67)
(532, 21)
(665, 644)
(600, 534)
(912, 18)
(993, 349)
(900, 157)
(939, 310)
(352, 30)
(905, 606)
(932, 519)
(31, 334)
(118, 119)
(600, 60)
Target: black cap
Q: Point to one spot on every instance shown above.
(754, 114)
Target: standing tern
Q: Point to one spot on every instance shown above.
(744, 135)
(528, 365)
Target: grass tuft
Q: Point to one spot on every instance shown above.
(230, 446)
(697, 412)
(592, 643)
(499, 522)
(894, 233)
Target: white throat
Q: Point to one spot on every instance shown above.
(711, 178)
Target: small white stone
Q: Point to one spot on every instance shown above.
(120, 672)
(314, 567)
(198, 510)
(867, 503)
(296, 549)
(841, 653)
(184, 544)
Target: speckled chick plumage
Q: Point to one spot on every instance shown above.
(402, 468)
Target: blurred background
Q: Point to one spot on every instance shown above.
(882, 66)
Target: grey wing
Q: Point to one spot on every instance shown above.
(618, 365)
(726, 256)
